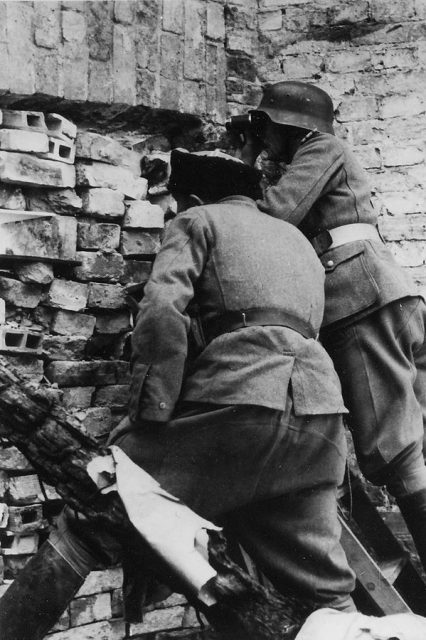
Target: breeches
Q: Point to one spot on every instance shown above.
(270, 477)
(381, 362)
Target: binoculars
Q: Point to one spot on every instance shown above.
(254, 121)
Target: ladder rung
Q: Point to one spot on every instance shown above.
(392, 568)
(370, 575)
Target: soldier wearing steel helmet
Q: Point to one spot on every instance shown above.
(374, 322)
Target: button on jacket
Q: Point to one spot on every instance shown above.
(230, 256)
(324, 187)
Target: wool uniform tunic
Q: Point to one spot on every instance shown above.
(374, 321)
(249, 432)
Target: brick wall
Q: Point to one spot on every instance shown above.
(167, 53)
(210, 57)
(133, 69)
(370, 55)
(79, 229)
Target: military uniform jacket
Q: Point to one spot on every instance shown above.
(230, 256)
(325, 187)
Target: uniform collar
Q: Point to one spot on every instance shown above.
(238, 199)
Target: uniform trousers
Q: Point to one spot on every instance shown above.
(269, 476)
(381, 363)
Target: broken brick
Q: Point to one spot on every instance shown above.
(26, 169)
(99, 266)
(20, 294)
(114, 323)
(106, 296)
(24, 489)
(23, 141)
(92, 235)
(73, 323)
(11, 197)
(97, 421)
(91, 608)
(62, 201)
(107, 176)
(11, 459)
(50, 237)
(27, 367)
(139, 243)
(93, 146)
(67, 294)
(137, 271)
(65, 347)
(18, 544)
(77, 397)
(25, 518)
(103, 203)
(35, 272)
(60, 127)
(141, 214)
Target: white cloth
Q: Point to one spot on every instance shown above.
(173, 530)
(329, 624)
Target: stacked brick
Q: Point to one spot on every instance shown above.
(371, 58)
(158, 53)
(77, 237)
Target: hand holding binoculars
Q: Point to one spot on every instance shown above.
(249, 125)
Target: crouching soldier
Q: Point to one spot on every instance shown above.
(249, 432)
(374, 321)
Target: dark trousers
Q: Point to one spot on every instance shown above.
(269, 476)
(381, 363)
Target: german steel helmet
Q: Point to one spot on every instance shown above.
(298, 104)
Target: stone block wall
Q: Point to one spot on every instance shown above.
(110, 61)
(77, 241)
(370, 57)
(166, 53)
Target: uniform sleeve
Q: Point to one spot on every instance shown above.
(160, 337)
(306, 179)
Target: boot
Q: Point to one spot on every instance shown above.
(413, 509)
(38, 596)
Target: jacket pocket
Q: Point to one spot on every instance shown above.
(349, 284)
(139, 375)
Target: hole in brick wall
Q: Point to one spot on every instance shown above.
(7, 542)
(29, 516)
(53, 123)
(13, 339)
(33, 341)
(34, 121)
(64, 151)
(51, 146)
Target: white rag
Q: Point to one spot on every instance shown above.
(173, 530)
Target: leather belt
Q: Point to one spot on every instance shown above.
(332, 238)
(255, 317)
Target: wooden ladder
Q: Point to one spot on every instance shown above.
(387, 579)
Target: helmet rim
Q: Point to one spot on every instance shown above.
(298, 104)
